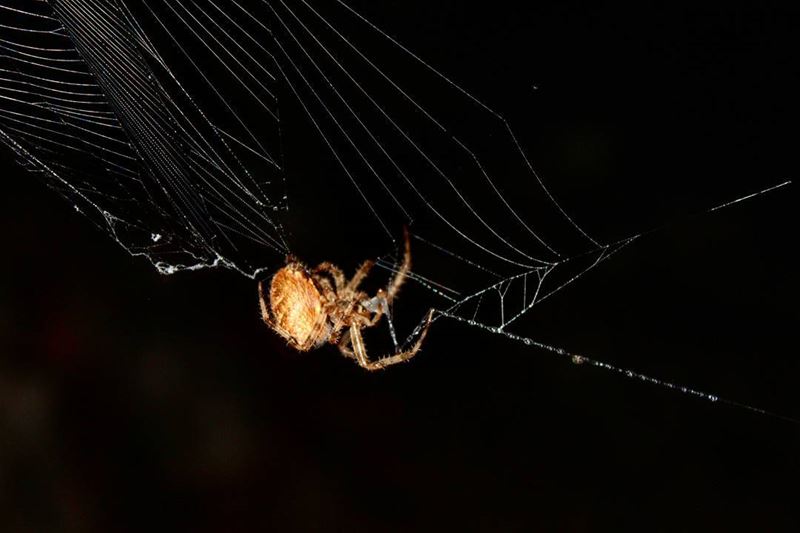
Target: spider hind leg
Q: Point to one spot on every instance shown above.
(359, 349)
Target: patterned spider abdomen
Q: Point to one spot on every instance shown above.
(296, 306)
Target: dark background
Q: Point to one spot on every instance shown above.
(131, 401)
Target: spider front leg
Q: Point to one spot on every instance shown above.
(359, 351)
(402, 272)
(359, 276)
(334, 271)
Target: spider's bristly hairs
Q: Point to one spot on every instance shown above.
(159, 120)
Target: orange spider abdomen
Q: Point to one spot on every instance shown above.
(296, 306)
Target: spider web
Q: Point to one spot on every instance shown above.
(160, 121)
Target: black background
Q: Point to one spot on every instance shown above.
(131, 401)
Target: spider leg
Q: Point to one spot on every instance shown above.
(402, 272)
(359, 276)
(344, 346)
(335, 272)
(326, 289)
(262, 301)
(359, 350)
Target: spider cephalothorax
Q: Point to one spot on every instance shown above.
(311, 307)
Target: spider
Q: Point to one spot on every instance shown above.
(311, 307)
